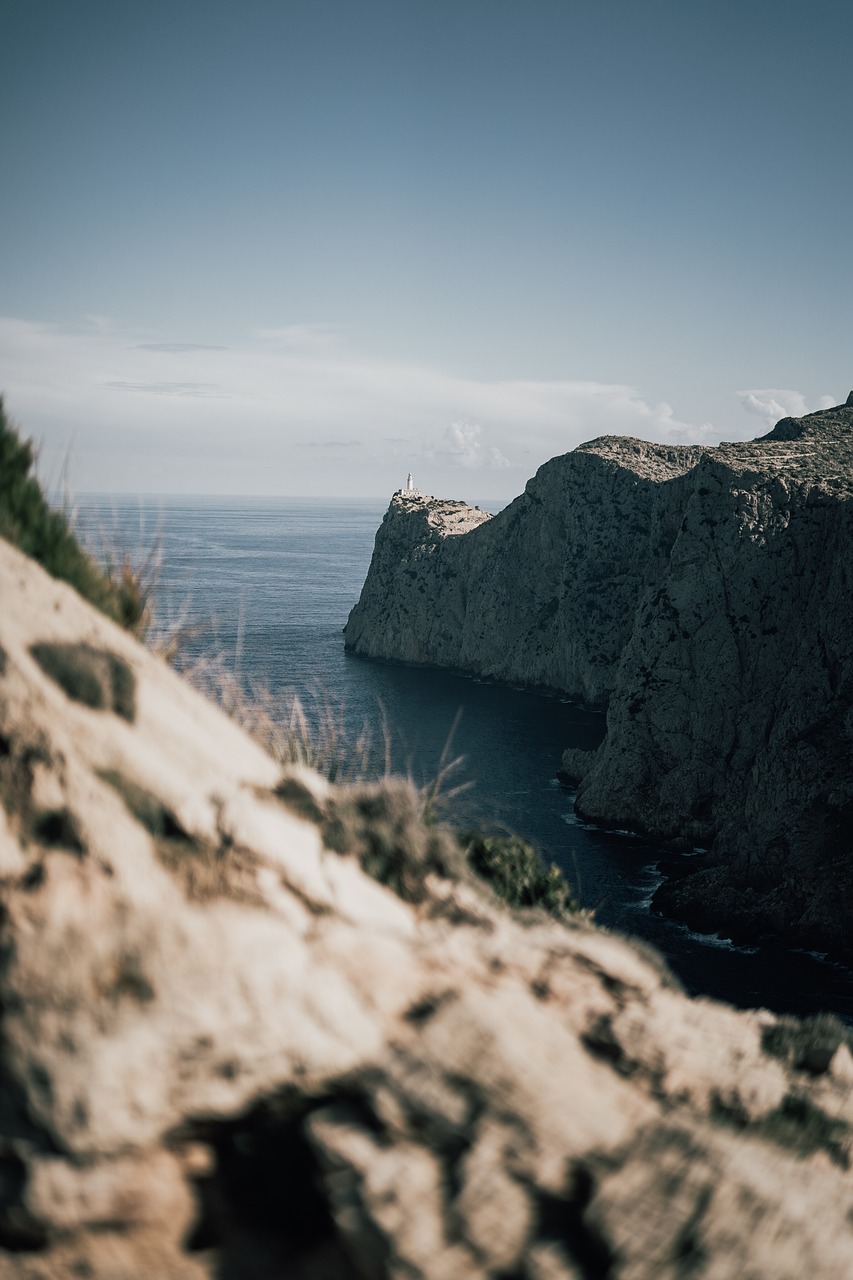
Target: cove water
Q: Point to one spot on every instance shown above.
(269, 584)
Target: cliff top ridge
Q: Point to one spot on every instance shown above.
(817, 447)
(443, 515)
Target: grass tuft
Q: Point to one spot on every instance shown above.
(29, 523)
(282, 726)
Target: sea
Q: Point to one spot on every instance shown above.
(262, 588)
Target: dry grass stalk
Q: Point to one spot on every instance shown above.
(282, 725)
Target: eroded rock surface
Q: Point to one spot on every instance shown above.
(228, 1052)
(705, 595)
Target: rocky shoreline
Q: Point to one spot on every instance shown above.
(703, 595)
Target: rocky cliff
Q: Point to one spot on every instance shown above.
(705, 596)
(227, 1051)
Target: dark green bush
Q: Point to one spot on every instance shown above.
(28, 522)
(518, 875)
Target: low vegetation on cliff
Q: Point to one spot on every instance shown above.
(518, 875)
(29, 522)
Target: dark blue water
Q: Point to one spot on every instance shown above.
(268, 583)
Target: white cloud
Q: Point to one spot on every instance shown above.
(177, 348)
(771, 404)
(462, 445)
(205, 390)
(301, 336)
(239, 417)
(329, 444)
(102, 323)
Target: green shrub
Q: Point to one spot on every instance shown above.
(29, 523)
(518, 875)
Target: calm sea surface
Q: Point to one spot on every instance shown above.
(269, 584)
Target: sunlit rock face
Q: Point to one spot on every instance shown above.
(705, 596)
(226, 1051)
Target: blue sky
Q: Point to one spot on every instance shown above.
(303, 246)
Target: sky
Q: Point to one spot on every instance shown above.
(307, 246)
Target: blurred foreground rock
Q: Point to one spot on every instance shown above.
(228, 1052)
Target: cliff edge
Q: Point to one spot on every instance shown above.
(704, 595)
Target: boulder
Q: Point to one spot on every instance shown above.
(228, 1051)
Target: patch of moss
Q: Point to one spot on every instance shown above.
(53, 827)
(802, 1128)
(58, 829)
(127, 981)
(204, 870)
(299, 798)
(29, 523)
(382, 824)
(96, 677)
(806, 1044)
(148, 810)
(518, 875)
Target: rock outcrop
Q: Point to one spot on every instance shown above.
(227, 1051)
(543, 593)
(705, 595)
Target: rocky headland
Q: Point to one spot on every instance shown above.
(705, 596)
(253, 1025)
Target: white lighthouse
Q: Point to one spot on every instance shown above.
(410, 484)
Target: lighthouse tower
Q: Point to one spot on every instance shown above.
(410, 484)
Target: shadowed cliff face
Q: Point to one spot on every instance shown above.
(542, 594)
(705, 594)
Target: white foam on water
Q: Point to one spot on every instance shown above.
(714, 940)
(653, 880)
(823, 957)
(646, 888)
(572, 820)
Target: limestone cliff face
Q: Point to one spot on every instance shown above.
(226, 1051)
(707, 596)
(543, 593)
